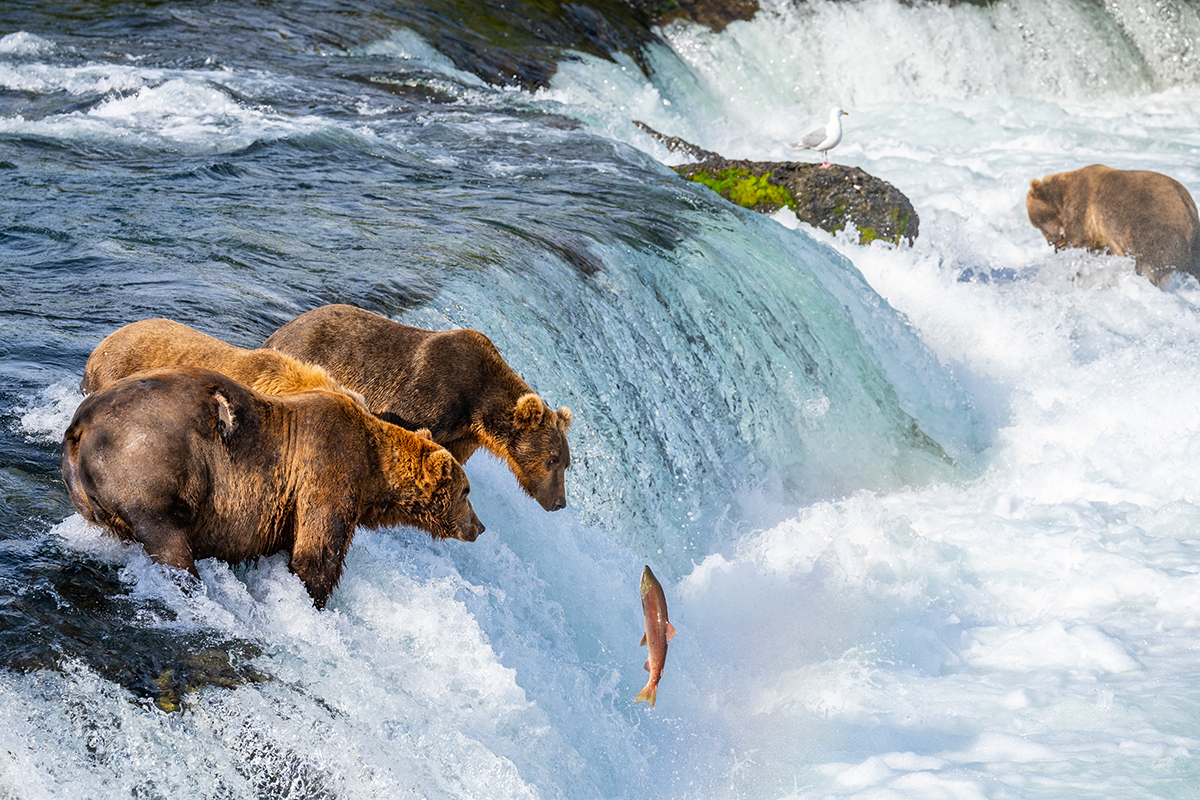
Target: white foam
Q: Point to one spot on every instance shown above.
(92, 79)
(23, 43)
(414, 52)
(47, 416)
(151, 107)
(1079, 648)
(82, 536)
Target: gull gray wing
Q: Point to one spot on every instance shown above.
(812, 140)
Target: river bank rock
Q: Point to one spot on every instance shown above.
(522, 42)
(714, 14)
(825, 198)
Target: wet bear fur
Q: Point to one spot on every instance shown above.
(151, 343)
(454, 383)
(1145, 215)
(194, 465)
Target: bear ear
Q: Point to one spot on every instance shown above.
(564, 417)
(529, 410)
(439, 466)
(424, 433)
(1035, 189)
(226, 419)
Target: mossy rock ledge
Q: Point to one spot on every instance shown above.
(825, 198)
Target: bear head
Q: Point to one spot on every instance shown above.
(447, 508)
(432, 489)
(539, 454)
(1044, 204)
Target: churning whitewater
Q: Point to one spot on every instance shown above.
(926, 517)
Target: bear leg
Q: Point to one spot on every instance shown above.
(322, 539)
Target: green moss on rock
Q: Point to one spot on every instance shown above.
(745, 188)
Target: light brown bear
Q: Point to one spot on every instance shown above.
(452, 382)
(194, 465)
(151, 343)
(1145, 215)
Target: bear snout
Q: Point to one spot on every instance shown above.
(551, 501)
(552, 494)
(470, 531)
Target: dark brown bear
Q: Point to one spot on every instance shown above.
(194, 465)
(1145, 215)
(452, 382)
(151, 343)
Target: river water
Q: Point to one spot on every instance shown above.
(926, 517)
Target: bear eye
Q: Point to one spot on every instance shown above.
(552, 461)
(466, 492)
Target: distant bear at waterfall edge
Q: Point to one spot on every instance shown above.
(1145, 215)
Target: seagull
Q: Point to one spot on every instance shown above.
(824, 139)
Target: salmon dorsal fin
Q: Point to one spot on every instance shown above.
(642, 643)
(670, 632)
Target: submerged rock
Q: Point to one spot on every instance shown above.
(825, 198)
(74, 613)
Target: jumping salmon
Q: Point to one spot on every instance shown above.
(658, 632)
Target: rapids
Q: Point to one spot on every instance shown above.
(926, 518)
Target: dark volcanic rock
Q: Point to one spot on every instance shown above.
(716, 14)
(521, 42)
(826, 198)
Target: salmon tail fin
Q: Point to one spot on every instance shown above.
(648, 695)
(670, 631)
(642, 643)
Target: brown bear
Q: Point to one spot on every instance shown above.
(452, 382)
(194, 465)
(152, 343)
(1145, 215)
